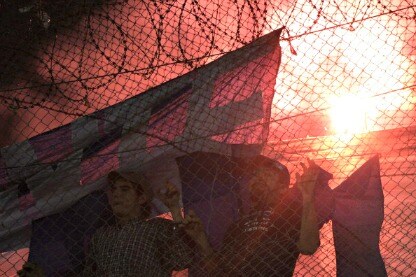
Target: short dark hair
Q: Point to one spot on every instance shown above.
(279, 168)
(140, 183)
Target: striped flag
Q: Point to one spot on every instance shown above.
(225, 102)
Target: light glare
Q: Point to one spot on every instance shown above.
(350, 113)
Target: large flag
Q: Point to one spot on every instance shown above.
(225, 102)
(357, 220)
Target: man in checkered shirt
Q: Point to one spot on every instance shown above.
(136, 245)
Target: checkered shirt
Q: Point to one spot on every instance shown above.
(140, 248)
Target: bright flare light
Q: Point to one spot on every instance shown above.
(351, 114)
(368, 65)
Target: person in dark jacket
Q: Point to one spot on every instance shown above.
(268, 240)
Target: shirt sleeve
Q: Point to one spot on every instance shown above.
(176, 250)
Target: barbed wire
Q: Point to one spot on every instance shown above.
(57, 87)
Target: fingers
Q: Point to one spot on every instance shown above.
(191, 220)
(309, 172)
(169, 186)
(167, 191)
(307, 180)
(310, 167)
(191, 217)
(187, 219)
(313, 166)
(297, 176)
(304, 168)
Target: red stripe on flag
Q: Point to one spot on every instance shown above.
(238, 85)
(241, 82)
(102, 162)
(165, 127)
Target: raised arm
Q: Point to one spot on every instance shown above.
(178, 253)
(194, 228)
(309, 232)
(191, 225)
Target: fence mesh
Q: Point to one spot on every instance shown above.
(344, 92)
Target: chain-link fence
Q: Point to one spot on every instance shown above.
(156, 86)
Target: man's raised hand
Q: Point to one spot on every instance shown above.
(169, 195)
(194, 227)
(306, 181)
